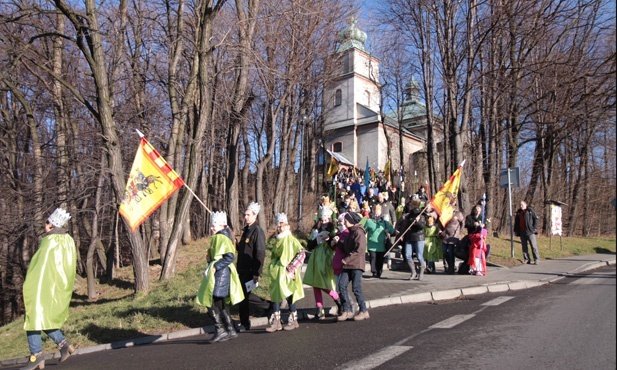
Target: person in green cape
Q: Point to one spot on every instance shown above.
(221, 283)
(285, 278)
(48, 289)
(319, 271)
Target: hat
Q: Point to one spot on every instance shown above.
(59, 217)
(254, 207)
(325, 212)
(430, 220)
(218, 218)
(352, 217)
(281, 218)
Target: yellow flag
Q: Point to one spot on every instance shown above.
(441, 200)
(386, 170)
(150, 183)
(333, 168)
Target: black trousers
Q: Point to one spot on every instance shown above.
(377, 260)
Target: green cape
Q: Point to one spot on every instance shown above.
(281, 284)
(220, 245)
(49, 282)
(319, 272)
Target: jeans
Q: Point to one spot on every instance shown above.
(355, 276)
(276, 306)
(418, 248)
(531, 239)
(34, 339)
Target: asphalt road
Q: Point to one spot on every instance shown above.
(566, 325)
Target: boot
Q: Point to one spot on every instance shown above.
(66, 350)
(220, 334)
(339, 306)
(422, 268)
(229, 325)
(292, 322)
(412, 267)
(35, 362)
(321, 314)
(275, 323)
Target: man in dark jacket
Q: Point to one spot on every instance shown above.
(526, 226)
(251, 254)
(354, 249)
(414, 238)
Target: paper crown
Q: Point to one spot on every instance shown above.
(59, 217)
(254, 207)
(281, 218)
(325, 212)
(218, 218)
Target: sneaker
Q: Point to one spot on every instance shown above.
(344, 316)
(362, 315)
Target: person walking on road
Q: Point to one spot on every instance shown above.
(251, 254)
(354, 248)
(477, 239)
(221, 282)
(48, 288)
(526, 227)
(450, 234)
(377, 230)
(414, 238)
(319, 271)
(285, 277)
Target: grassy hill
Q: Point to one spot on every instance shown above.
(119, 314)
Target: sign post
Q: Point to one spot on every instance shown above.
(509, 178)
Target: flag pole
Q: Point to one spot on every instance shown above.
(196, 197)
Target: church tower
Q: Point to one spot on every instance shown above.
(352, 99)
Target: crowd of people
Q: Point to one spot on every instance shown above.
(341, 237)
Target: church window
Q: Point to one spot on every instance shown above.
(338, 97)
(367, 97)
(337, 147)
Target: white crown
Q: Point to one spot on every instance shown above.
(325, 212)
(281, 217)
(218, 218)
(59, 217)
(254, 207)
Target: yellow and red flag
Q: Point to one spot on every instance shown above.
(386, 171)
(333, 168)
(151, 182)
(449, 190)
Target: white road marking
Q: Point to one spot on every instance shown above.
(377, 358)
(452, 321)
(497, 301)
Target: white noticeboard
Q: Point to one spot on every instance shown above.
(555, 219)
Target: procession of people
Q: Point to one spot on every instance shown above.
(344, 236)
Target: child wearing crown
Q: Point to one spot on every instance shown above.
(48, 289)
(221, 283)
(319, 272)
(285, 277)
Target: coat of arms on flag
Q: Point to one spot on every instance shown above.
(151, 182)
(449, 190)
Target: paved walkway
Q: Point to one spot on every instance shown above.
(394, 288)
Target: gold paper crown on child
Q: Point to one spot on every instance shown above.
(254, 207)
(218, 218)
(325, 212)
(281, 218)
(59, 217)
